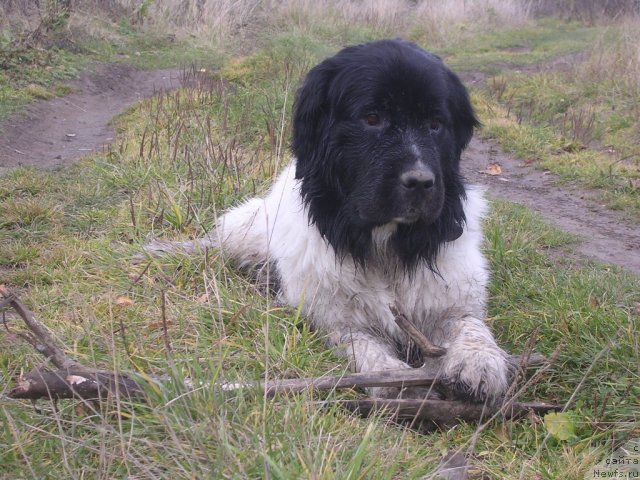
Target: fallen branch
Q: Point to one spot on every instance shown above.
(408, 377)
(444, 412)
(73, 380)
(43, 342)
(428, 349)
(76, 383)
(411, 377)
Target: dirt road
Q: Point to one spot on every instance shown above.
(62, 130)
(605, 235)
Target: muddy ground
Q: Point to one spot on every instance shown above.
(60, 131)
(605, 235)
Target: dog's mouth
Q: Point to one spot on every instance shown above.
(409, 217)
(425, 212)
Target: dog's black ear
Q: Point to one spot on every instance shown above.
(463, 116)
(312, 120)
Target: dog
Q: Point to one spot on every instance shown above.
(373, 211)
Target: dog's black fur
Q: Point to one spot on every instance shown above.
(361, 119)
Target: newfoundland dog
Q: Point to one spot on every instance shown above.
(373, 211)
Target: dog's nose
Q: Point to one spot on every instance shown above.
(418, 178)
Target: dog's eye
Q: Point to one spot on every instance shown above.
(435, 125)
(373, 119)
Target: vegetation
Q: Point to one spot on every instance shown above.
(578, 120)
(180, 158)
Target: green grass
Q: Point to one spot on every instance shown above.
(179, 159)
(29, 73)
(510, 48)
(579, 121)
(572, 151)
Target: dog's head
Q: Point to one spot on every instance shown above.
(378, 130)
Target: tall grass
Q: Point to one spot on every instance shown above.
(618, 61)
(220, 20)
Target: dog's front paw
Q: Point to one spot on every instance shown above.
(480, 375)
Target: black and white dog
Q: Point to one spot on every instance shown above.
(373, 211)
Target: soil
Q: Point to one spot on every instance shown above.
(60, 131)
(605, 235)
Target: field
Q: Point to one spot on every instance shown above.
(559, 91)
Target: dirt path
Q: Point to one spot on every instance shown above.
(62, 130)
(605, 235)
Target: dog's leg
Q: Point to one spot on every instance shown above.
(474, 363)
(243, 234)
(369, 353)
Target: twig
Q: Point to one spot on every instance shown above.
(408, 377)
(443, 412)
(75, 383)
(428, 349)
(47, 345)
(71, 380)
(165, 330)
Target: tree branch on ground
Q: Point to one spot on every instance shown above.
(72, 380)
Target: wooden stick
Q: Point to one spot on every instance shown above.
(76, 383)
(409, 377)
(71, 380)
(47, 345)
(443, 412)
(428, 349)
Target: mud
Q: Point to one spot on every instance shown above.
(58, 132)
(605, 235)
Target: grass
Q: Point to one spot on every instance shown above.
(579, 121)
(30, 72)
(178, 159)
(514, 47)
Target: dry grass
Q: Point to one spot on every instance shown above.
(618, 61)
(218, 20)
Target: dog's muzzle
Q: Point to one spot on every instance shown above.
(419, 193)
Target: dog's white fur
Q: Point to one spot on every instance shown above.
(351, 304)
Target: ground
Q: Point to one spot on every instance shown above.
(57, 132)
(603, 234)
(60, 131)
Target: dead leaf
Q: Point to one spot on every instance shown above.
(204, 298)
(493, 169)
(124, 301)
